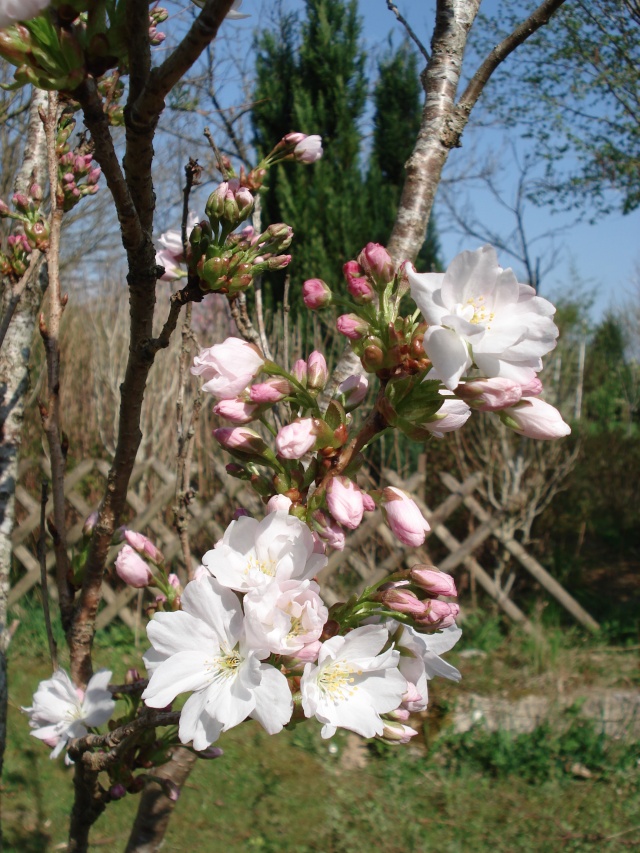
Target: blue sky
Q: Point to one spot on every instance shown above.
(599, 260)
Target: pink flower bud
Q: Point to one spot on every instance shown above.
(345, 503)
(433, 582)
(368, 502)
(397, 733)
(354, 390)
(294, 138)
(240, 439)
(535, 419)
(300, 371)
(236, 411)
(309, 149)
(489, 395)
(89, 525)
(316, 294)
(132, 569)
(295, 440)
(144, 546)
(317, 372)
(329, 530)
(361, 291)
(440, 613)
(352, 270)
(272, 390)
(241, 512)
(402, 601)
(352, 326)
(533, 388)
(377, 264)
(278, 503)
(117, 791)
(403, 517)
(451, 415)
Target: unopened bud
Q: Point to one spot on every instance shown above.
(316, 294)
(352, 326)
(317, 372)
(377, 264)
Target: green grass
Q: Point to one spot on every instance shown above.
(467, 793)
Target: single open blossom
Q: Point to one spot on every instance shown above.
(252, 553)
(61, 711)
(20, 10)
(227, 368)
(479, 313)
(403, 517)
(201, 649)
(420, 660)
(353, 684)
(284, 617)
(535, 419)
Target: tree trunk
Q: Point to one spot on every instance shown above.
(14, 380)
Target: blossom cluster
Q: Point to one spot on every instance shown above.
(253, 631)
(220, 258)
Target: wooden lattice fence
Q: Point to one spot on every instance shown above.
(371, 551)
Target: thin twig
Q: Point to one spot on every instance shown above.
(538, 18)
(393, 8)
(238, 308)
(42, 559)
(256, 221)
(217, 154)
(286, 308)
(50, 332)
(185, 439)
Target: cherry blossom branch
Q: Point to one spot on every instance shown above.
(112, 745)
(50, 332)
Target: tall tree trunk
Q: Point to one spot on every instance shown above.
(14, 361)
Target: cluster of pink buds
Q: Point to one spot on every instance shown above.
(33, 233)
(413, 598)
(222, 259)
(76, 177)
(140, 564)
(157, 15)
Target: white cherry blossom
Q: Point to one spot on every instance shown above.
(420, 659)
(478, 313)
(61, 711)
(253, 553)
(353, 684)
(285, 617)
(202, 649)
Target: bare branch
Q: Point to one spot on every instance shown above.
(527, 28)
(42, 559)
(393, 8)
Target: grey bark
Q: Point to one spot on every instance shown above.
(14, 379)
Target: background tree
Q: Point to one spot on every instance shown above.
(310, 76)
(575, 91)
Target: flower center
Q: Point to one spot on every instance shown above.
(267, 567)
(225, 665)
(337, 681)
(475, 311)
